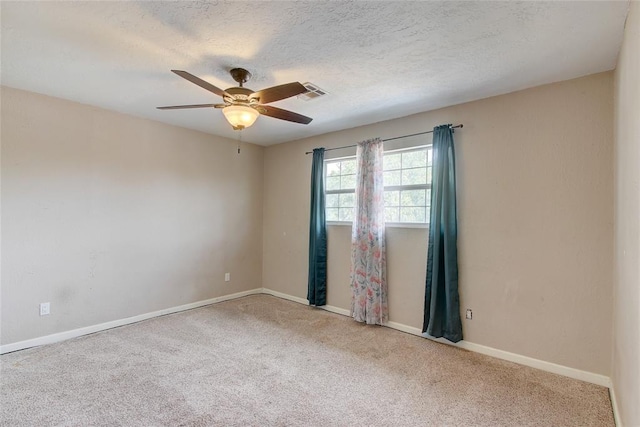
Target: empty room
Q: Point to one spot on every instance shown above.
(345, 213)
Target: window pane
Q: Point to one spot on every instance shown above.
(346, 214)
(412, 214)
(391, 198)
(347, 200)
(333, 183)
(332, 214)
(404, 168)
(414, 159)
(331, 200)
(414, 176)
(392, 178)
(333, 169)
(391, 161)
(348, 182)
(349, 167)
(391, 214)
(413, 198)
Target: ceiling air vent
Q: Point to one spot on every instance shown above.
(313, 92)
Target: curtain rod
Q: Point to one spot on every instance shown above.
(388, 139)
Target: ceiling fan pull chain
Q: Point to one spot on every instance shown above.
(239, 140)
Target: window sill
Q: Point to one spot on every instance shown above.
(388, 224)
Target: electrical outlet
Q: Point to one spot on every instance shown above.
(45, 308)
(469, 314)
(227, 277)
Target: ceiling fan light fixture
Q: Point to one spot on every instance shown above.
(240, 116)
(242, 106)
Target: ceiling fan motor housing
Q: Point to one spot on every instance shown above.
(240, 95)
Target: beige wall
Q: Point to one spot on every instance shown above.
(108, 216)
(626, 304)
(535, 206)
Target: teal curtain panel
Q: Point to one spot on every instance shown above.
(441, 300)
(317, 291)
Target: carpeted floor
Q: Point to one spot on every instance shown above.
(263, 361)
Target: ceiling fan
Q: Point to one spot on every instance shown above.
(242, 106)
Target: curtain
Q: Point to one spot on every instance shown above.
(441, 301)
(368, 259)
(317, 283)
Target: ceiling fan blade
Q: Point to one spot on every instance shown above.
(197, 80)
(276, 93)
(279, 113)
(178, 107)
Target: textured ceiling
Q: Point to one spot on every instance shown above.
(377, 60)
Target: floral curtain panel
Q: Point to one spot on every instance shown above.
(368, 259)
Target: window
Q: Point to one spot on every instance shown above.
(407, 186)
(340, 189)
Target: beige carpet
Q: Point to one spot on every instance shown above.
(263, 361)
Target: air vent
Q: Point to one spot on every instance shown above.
(313, 92)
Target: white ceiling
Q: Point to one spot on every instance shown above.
(377, 60)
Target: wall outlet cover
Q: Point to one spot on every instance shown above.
(45, 308)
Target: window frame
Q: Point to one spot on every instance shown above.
(400, 224)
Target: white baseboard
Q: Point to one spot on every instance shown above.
(337, 310)
(566, 371)
(304, 301)
(614, 405)
(513, 357)
(50, 339)
(285, 296)
(500, 354)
